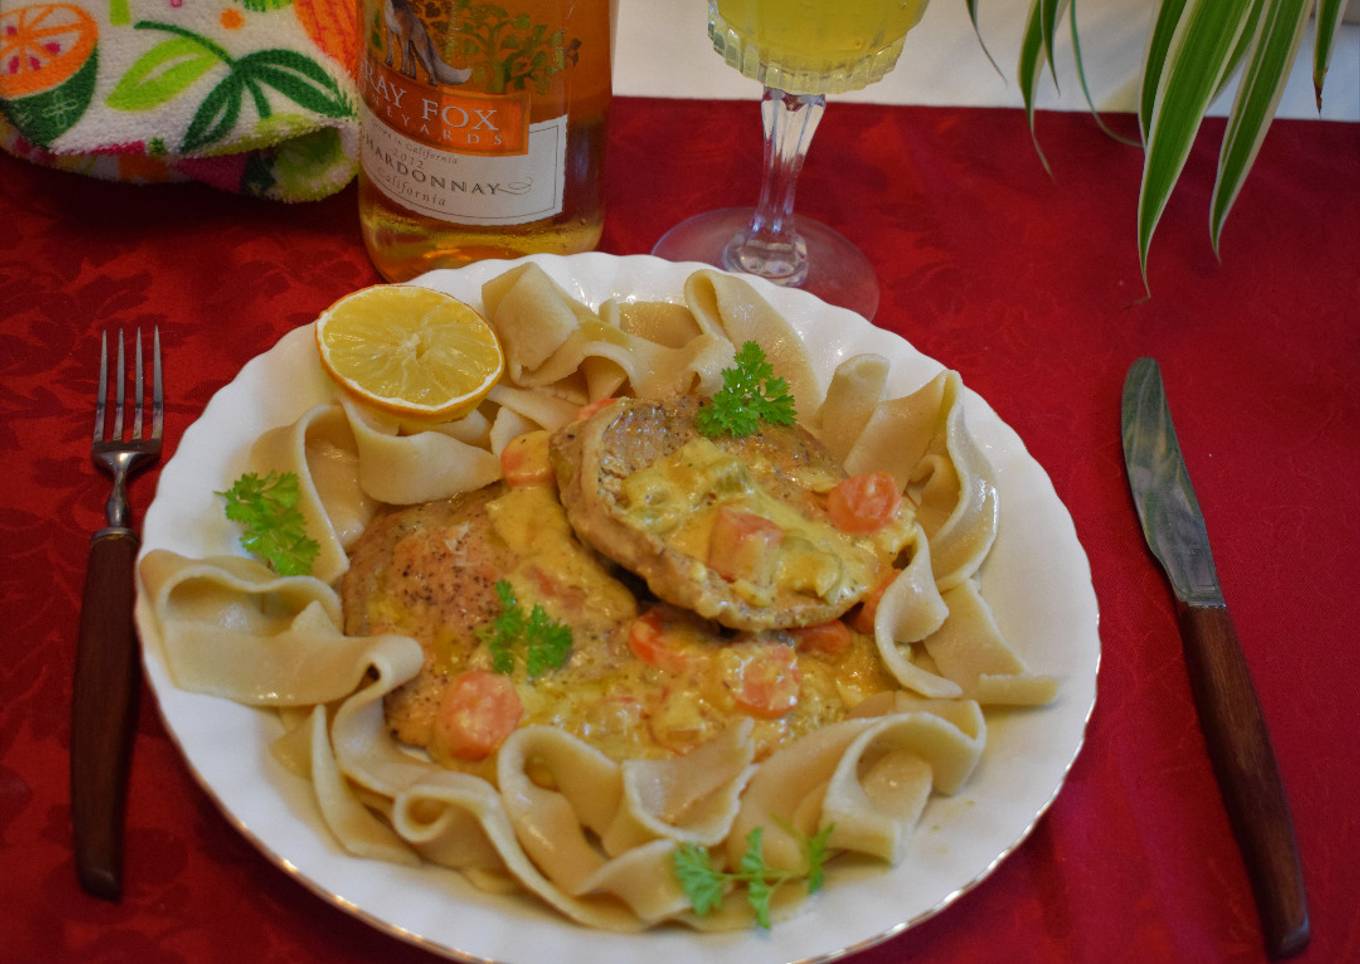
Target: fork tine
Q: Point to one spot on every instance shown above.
(137, 397)
(157, 398)
(117, 435)
(103, 386)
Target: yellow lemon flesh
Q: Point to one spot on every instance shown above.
(410, 350)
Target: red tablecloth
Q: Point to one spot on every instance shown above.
(1028, 286)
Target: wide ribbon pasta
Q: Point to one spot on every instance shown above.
(867, 776)
(591, 836)
(909, 610)
(408, 469)
(553, 341)
(922, 440)
(320, 449)
(969, 649)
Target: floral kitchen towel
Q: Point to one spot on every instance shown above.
(255, 96)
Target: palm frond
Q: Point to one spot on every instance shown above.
(972, 6)
(1328, 19)
(1085, 88)
(1276, 45)
(1196, 60)
(1154, 60)
(1032, 47)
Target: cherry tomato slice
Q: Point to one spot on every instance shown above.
(477, 711)
(648, 641)
(524, 460)
(763, 678)
(864, 503)
(828, 640)
(742, 545)
(863, 620)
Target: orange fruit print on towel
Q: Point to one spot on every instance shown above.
(334, 27)
(48, 59)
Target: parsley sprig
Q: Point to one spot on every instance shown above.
(751, 394)
(547, 643)
(705, 884)
(272, 526)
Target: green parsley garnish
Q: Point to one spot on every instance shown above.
(750, 395)
(814, 849)
(701, 881)
(547, 643)
(704, 884)
(271, 522)
(500, 634)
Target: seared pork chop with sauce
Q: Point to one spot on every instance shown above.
(636, 685)
(735, 530)
(429, 571)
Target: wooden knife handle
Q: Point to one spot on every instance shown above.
(103, 711)
(1239, 747)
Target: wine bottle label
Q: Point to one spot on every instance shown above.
(464, 113)
(468, 188)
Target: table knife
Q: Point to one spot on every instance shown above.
(1229, 714)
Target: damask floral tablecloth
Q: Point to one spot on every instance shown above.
(1028, 286)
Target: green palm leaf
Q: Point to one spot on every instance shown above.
(1032, 46)
(972, 6)
(1050, 15)
(1328, 19)
(1195, 63)
(1262, 84)
(1085, 88)
(1154, 61)
(1244, 43)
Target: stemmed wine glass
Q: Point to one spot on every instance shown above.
(801, 50)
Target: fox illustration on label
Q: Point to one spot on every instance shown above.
(407, 33)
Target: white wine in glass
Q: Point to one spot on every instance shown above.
(800, 50)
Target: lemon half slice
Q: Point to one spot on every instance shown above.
(410, 350)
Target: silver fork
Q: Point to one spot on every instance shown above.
(103, 704)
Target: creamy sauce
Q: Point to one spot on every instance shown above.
(639, 710)
(678, 498)
(628, 700)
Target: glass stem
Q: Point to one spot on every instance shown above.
(770, 246)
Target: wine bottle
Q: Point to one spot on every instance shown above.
(482, 129)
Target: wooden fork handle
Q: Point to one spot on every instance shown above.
(1239, 748)
(103, 712)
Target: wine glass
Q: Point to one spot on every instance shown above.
(801, 50)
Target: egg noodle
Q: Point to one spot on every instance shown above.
(593, 836)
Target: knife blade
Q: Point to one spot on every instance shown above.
(1225, 700)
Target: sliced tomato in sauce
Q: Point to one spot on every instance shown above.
(550, 587)
(762, 677)
(524, 460)
(829, 640)
(742, 545)
(477, 711)
(648, 641)
(863, 620)
(864, 503)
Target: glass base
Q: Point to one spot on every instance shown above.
(837, 271)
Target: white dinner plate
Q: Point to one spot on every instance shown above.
(1036, 579)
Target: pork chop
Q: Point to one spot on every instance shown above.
(644, 488)
(430, 572)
